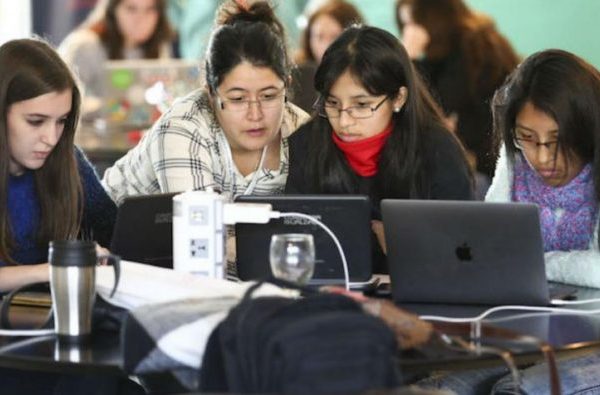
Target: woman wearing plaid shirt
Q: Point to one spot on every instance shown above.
(231, 136)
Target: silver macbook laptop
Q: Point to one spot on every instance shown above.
(465, 252)
(348, 217)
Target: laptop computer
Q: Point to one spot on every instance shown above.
(465, 252)
(348, 217)
(137, 92)
(144, 230)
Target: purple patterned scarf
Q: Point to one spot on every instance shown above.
(573, 230)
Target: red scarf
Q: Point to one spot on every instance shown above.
(363, 155)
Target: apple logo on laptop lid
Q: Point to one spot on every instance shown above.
(463, 252)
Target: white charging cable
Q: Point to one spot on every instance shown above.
(276, 214)
(496, 309)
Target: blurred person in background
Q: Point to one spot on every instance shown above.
(194, 21)
(324, 25)
(464, 59)
(115, 30)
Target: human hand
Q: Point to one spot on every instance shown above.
(102, 252)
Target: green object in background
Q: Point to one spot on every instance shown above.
(121, 79)
(535, 25)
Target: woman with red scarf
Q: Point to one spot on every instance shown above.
(377, 131)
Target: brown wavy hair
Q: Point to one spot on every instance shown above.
(452, 26)
(30, 68)
(103, 22)
(343, 12)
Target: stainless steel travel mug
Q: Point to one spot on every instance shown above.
(73, 286)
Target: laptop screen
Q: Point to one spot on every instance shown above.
(347, 216)
(144, 230)
(465, 252)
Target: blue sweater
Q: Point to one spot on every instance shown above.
(99, 213)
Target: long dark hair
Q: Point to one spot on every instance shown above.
(103, 21)
(565, 87)
(343, 12)
(381, 64)
(452, 26)
(252, 34)
(28, 69)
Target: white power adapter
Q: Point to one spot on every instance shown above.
(199, 219)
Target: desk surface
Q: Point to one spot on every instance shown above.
(568, 334)
(45, 353)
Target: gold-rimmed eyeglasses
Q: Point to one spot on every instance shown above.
(243, 103)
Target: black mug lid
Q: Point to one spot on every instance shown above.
(79, 253)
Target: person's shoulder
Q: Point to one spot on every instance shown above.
(436, 138)
(190, 115)
(85, 167)
(79, 40)
(293, 118)
(301, 135)
(193, 107)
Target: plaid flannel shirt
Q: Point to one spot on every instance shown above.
(184, 150)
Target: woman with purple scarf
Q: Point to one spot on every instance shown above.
(548, 117)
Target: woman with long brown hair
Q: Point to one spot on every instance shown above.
(116, 29)
(48, 189)
(464, 59)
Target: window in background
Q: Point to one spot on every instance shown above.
(15, 19)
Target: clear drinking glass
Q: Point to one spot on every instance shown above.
(292, 257)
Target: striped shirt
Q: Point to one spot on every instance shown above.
(186, 149)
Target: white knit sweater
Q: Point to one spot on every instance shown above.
(572, 267)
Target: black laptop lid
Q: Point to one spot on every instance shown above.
(144, 230)
(465, 252)
(348, 217)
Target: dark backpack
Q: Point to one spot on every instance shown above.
(321, 344)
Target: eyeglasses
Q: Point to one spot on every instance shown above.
(526, 142)
(242, 104)
(360, 111)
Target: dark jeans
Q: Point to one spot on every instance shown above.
(578, 376)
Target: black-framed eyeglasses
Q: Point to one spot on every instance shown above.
(529, 143)
(357, 111)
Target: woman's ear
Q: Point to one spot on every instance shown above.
(212, 98)
(400, 99)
